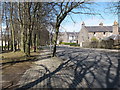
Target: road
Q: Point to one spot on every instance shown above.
(77, 68)
(91, 68)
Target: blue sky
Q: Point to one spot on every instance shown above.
(90, 20)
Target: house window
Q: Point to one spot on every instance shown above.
(72, 37)
(104, 33)
(94, 34)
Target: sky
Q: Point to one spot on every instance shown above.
(89, 20)
(107, 17)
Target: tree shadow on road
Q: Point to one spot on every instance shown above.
(76, 71)
(112, 82)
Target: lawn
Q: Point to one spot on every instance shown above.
(18, 56)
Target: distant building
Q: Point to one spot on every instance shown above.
(87, 32)
(69, 37)
(43, 37)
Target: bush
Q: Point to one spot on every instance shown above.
(60, 42)
(75, 44)
(94, 39)
(71, 44)
(108, 44)
(94, 42)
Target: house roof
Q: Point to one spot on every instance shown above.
(99, 28)
(73, 33)
(69, 33)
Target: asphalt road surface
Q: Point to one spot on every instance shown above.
(77, 68)
(88, 68)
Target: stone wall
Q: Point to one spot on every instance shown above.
(99, 35)
(107, 44)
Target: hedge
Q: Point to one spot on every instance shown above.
(71, 44)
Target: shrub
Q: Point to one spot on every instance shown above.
(74, 44)
(94, 42)
(94, 39)
(71, 44)
(108, 44)
(60, 42)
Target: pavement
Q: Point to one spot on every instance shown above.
(73, 68)
(41, 69)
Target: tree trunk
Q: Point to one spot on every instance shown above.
(13, 37)
(31, 41)
(22, 48)
(12, 28)
(34, 42)
(55, 41)
(8, 40)
(27, 49)
(5, 41)
(18, 44)
(8, 44)
(2, 39)
(2, 44)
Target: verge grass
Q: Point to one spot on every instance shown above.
(16, 56)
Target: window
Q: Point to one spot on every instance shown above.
(104, 33)
(72, 37)
(94, 34)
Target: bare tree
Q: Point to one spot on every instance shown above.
(12, 26)
(63, 10)
(1, 17)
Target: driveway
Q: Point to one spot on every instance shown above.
(77, 68)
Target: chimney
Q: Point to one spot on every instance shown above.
(101, 24)
(115, 23)
(115, 28)
(83, 24)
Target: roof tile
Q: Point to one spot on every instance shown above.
(99, 28)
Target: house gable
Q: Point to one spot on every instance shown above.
(83, 35)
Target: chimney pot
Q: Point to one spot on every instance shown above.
(83, 24)
(101, 24)
(115, 22)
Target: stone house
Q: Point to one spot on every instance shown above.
(69, 37)
(88, 32)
